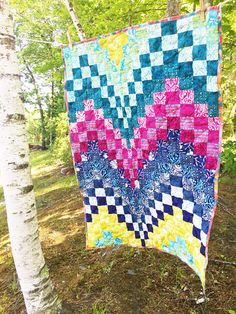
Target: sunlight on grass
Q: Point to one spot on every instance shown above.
(46, 174)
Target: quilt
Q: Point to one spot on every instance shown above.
(144, 108)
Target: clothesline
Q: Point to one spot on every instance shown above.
(57, 44)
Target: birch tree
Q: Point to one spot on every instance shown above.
(38, 291)
(75, 19)
(173, 7)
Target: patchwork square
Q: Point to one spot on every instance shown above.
(145, 129)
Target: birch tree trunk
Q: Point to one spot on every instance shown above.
(39, 294)
(75, 19)
(173, 7)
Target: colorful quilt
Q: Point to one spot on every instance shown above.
(144, 110)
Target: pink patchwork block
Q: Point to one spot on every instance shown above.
(118, 143)
(125, 153)
(100, 125)
(142, 122)
(150, 122)
(201, 110)
(83, 137)
(123, 143)
(212, 149)
(81, 126)
(73, 127)
(187, 136)
(88, 104)
(140, 163)
(150, 111)
(136, 133)
(120, 163)
(139, 152)
(74, 137)
(117, 133)
(172, 97)
(119, 154)
(91, 125)
(213, 137)
(77, 157)
(159, 98)
(211, 162)
(83, 147)
(214, 123)
(111, 145)
(134, 154)
(145, 154)
(80, 116)
(186, 96)
(89, 115)
(152, 145)
(151, 134)
(173, 110)
(160, 110)
(201, 123)
(130, 163)
(173, 123)
(200, 136)
(187, 123)
(98, 114)
(112, 154)
(137, 142)
(161, 123)
(143, 133)
(144, 143)
(172, 84)
(101, 134)
(200, 148)
(161, 134)
(108, 123)
(102, 145)
(110, 135)
(92, 135)
(187, 110)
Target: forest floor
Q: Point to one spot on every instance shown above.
(124, 280)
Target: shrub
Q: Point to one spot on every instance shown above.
(228, 157)
(61, 147)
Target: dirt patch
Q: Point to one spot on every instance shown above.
(122, 280)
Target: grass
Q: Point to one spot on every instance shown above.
(124, 280)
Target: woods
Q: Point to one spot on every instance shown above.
(41, 30)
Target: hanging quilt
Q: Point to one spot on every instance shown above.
(144, 110)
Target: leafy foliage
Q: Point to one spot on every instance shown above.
(228, 158)
(61, 147)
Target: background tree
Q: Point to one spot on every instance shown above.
(32, 271)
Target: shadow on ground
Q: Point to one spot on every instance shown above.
(121, 280)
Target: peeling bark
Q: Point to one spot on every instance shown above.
(38, 291)
(173, 7)
(75, 19)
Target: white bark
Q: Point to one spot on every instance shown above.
(75, 19)
(39, 294)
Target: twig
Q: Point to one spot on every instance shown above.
(218, 261)
(224, 208)
(224, 2)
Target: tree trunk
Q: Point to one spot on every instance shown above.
(39, 294)
(173, 7)
(41, 112)
(75, 19)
